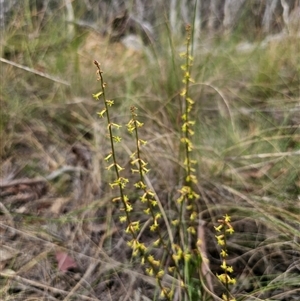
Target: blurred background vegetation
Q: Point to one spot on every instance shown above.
(246, 75)
(246, 92)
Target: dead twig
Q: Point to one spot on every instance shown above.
(42, 74)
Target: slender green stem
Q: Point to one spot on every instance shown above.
(112, 145)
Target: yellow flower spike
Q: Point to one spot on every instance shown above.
(225, 227)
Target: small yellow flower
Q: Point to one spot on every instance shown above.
(166, 293)
(128, 208)
(230, 230)
(227, 218)
(175, 222)
(191, 230)
(156, 243)
(223, 253)
(219, 228)
(123, 219)
(199, 243)
(160, 274)
(229, 269)
(232, 281)
(153, 203)
(183, 92)
(176, 258)
(171, 269)
(149, 271)
(157, 216)
(153, 261)
(153, 227)
(187, 256)
(147, 211)
(224, 265)
(224, 297)
(222, 278)
(220, 239)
